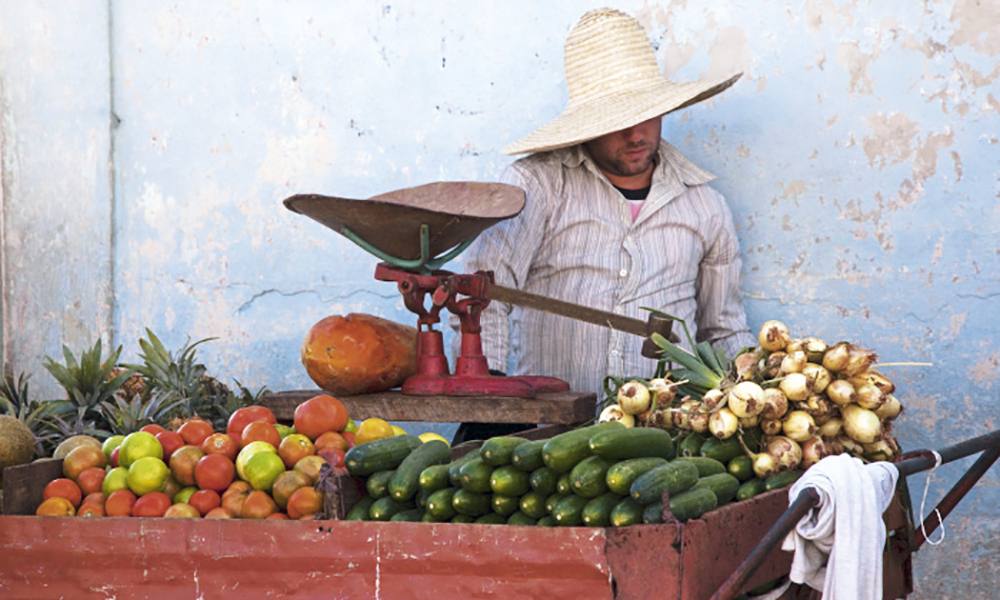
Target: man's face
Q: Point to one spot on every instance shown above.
(629, 153)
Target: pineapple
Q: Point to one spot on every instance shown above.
(89, 385)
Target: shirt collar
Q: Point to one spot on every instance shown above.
(672, 167)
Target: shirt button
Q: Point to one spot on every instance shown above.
(614, 353)
(623, 273)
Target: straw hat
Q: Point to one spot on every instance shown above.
(613, 82)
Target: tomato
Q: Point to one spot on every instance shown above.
(320, 414)
(259, 431)
(194, 431)
(220, 443)
(153, 504)
(242, 417)
(214, 472)
(171, 441)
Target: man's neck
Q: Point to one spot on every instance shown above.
(632, 182)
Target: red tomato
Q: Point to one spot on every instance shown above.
(171, 441)
(259, 431)
(320, 414)
(153, 504)
(214, 472)
(153, 428)
(195, 431)
(242, 417)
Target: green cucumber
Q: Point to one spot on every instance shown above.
(723, 485)
(721, 450)
(463, 519)
(528, 456)
(384, 508)
(781, 480)
(474, 476)
(377, 484)
(626, 512)
(588, 478)
(543, 480)
(562, 452)
(749, 489)
(413, 515)
(359, 512)
(692, 503)
(406, 481)
(470, 503)
(621, 475)
(455, 467)
(497, 451)
(429, 518)
(741, 468)
(691, 445)
(421, 497)
(706, 466)
(597, 512)
(671, 478)
(568, 511)
(508, 480)
(552, 500)
(563, 485)
(624, 444)
(434, 478)
(652, 514)
(380, 455)
(439, 504)
(519, 518)
(533, 505)
(505, 505)
(491, 519)
(546, 521)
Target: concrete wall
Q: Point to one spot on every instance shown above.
(146, 148)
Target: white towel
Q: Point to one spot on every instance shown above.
(840, 551)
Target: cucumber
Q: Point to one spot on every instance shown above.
(692, 503)
(721, 450)
(754, 439)
(543, 480)
(626, 512)
(497, 451)
(589, 477)
(546, 521)
(552, 500)
(406, 481)
(621, 475)
(690, 445)
(505, 505)
(384, 508)
(463, 519)
(359, 512)
(624, 444)
(741, 468)
(533, 505)
(562, 452)
(439, 504)
(706, 466)
(413, 515)
(563, 485)
(434, 478)
(377, 485)
(519, 518)
(723, 485)
(568, 511)
(528, 456)
(672, 478)
(653, 513)
(781, 480)
(491, 519)
(421, 498)
(474, 476)
(455, 467)
(508, 480)
(470, 503)
(379, 455)
(597, 511)
(429, 518)
(749, 489)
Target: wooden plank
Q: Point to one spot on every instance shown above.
(24, 485)
(562, 408)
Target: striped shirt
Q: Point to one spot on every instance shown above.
(576, 241)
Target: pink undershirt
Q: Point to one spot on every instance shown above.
(636, 206)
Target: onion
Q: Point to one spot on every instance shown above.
(835, 358)
(682, 415)
(785, 451)
(634, 397)
(841, 392)
(614, 412)
(884, 449)
(794, 386)
(764, 465)
(831, 428)
(860, 424)
(773, 336)
(814, 348)
(890, 409)
(661, 418)
(799, 425)
(794, 345)
(820, 407)
(772, 364)
(817, 377)
(870, 397)
(746, 365)
(662, 391)
(793, 362)
(746, 399)
(749, 422)
(814, 450)
(714, 399)
(723, 423)
(858, 361)
(775, 404)
(876, 378)
(699, 421)
(770, 426)
(850, 446)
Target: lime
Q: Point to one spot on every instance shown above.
(284, 430)
(248, 451)
(397, 430)
(351, 426)
(147, 474)
(430, 435)
(140, 444)
(111, 443)
(116, 479)
(184, 495)
(372, 429)
(262, 469)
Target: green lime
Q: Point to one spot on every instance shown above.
(116, 479)
(140, 444)
(147, 474)
(262, 469)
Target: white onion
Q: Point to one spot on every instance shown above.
(832, 427)
(714, 399)
(849, 445)
(841, 392)
(614, 412)
(814, 348)
(870, 397)
(699, 421)
(860, 424)
(723, 423)
(775, 404)
(859, 360)
(746, 399)
(770, 426)
(764, 465)
(772, 365)
(794, 362)
(682, 416)
(794, 386)
(798, 425)
(794, 345)
(749, 422)
(890, 409)
(785, 451)
(814, 450)
(884, 449)
(634, 397)
(835, 358)
(662, 391)
(876, 378)
(773, 336)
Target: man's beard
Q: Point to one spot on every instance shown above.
(623, 167)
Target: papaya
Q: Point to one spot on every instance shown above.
(359, 354)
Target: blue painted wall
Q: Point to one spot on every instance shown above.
(859, 154)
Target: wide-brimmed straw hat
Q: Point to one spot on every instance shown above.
(613, 82)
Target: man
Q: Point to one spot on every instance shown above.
(615, 218)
